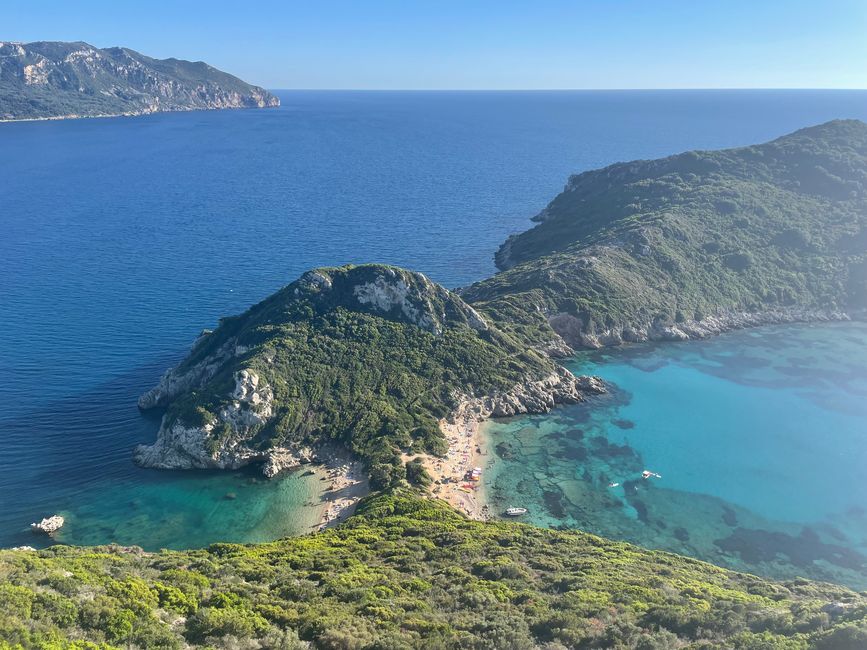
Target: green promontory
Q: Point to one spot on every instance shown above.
(54, 80)
(412, 573)
(695, 244)
(370, 357)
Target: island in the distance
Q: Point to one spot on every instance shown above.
(55, 80)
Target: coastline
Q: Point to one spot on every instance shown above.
(466, 451)
(143, 113)
(347, 485)
(572, 330)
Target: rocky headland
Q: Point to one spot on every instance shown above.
(56, 80)
(694, 245)
(372, 357)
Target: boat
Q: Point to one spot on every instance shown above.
(515, 512)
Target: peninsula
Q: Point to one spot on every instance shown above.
(55, 80)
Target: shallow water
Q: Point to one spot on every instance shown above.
(123, 238)
(760, 438)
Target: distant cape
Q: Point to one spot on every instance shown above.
(55, 80)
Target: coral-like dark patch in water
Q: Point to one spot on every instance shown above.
(729, 517)
(554, 503)
(756, 546)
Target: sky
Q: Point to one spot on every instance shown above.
(479, 44)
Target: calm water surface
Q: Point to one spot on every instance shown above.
(122, 238)
(760, 439)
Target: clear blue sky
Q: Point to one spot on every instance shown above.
(479, 43)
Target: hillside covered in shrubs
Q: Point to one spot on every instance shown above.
(695, 243)
(407, 572)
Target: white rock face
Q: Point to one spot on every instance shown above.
(253, 404)
(180, 446)
(387, 295)
(578, 335)
(539, 396)
(391, 292)
(48, 525)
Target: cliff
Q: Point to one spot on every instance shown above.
(694, 244)
(53, 80)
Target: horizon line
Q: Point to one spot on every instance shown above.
(567, 90)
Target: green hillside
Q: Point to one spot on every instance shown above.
(696, 243)
(412, 573)
(57, 79)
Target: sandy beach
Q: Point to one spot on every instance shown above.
(466, 451)
(346, 483)
(347, 480)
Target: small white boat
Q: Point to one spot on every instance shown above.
(515, 512)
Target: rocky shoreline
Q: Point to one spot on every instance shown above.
(463, 431)
(575, 334)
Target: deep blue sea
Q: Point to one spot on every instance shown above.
(122, 238)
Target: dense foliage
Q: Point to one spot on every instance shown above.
(412, 573)
(49, 79)
(374, 380)
(778, 226)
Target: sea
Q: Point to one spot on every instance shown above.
(122, 238)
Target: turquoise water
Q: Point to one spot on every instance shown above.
(186, 510)
(760, 438)
(123, 238)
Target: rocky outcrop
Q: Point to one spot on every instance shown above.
(222, 442)
(397, 294)
(189, 376)
(46, 80)
(48, 525)
(534, 396)
(389, 292)
(579, 334)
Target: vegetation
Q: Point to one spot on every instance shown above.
(50, 79)
(778, 226)
(412, 573)
(372, 376)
